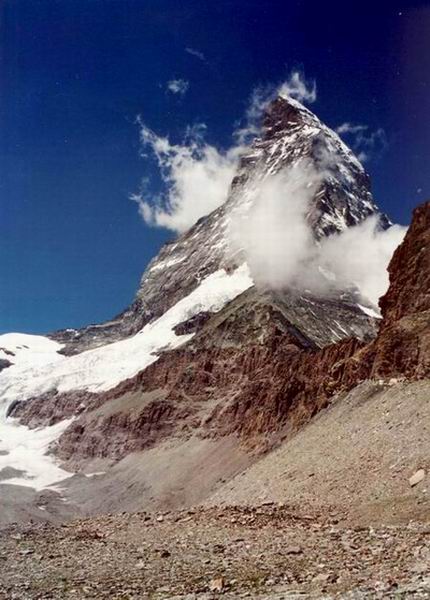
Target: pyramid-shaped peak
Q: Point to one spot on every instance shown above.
(283, 112)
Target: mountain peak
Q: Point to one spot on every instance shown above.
(284, 111)
(291, 136)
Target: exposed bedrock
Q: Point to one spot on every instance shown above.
(291, 135)
(255, 369)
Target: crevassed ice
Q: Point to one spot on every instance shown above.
(25, 450)
(22, 449)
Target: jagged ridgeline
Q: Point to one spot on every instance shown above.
(290, 134)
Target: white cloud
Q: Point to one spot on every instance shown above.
(281, 251)
(367, 144)
(297, 87)
(196, 53)
(178, 86)
(360, 256)
(274, 234)
(350, 128)
(257, 104)
(196, 175)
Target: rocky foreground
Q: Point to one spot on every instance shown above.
(271, 551)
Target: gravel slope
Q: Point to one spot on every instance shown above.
(357, 455)
(265, 552)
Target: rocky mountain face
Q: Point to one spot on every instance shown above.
(259, 369)
(402, 348)
(230, 373)
(245, 350)
(291, 134)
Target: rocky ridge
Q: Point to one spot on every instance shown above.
(261, 367)
(291, 134)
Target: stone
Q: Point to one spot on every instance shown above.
(217, 584)
(417, 477)
(293, 550)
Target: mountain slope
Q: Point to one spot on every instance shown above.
(291, 135)
(202, 353)
(187, 428)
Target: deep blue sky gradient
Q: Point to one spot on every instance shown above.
(76, 73)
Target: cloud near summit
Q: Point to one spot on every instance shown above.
(366, 143)
(281, 250)
(196, 175)
(297, 87)
(275, 236)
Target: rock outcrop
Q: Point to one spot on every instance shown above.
(259, 368)
(403, 345)
(291, 134)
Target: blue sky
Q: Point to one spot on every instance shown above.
(76, 73)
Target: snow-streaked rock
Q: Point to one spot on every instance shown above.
(97, 370)
(291, 133)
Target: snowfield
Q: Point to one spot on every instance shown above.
(103, 368)
(95, 370)
(26, 450)
(29, 350)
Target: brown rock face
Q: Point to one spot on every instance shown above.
(258, 368)
(409, 269)
(248, 370)
(402, 348)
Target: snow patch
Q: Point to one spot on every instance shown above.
(370, 311)
(26, 450)
(25, 350)
(165, 264)
(102, 368)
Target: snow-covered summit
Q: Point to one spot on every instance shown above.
(293, 133)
